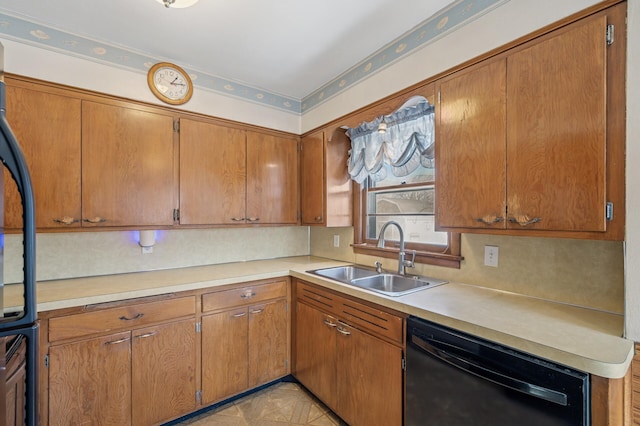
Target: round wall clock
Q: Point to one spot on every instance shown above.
(170, 83)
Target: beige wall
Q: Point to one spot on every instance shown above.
(82, 254)
(580, 272)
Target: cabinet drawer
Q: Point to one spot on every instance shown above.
(374, 320)
(243, 295)
(125, 317)
(317, 297)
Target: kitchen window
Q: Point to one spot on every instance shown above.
(393, 164)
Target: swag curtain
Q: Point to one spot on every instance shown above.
(407, 143)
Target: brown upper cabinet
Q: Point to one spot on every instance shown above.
(230, 176)
(325, 185)
(101, 163)
(127, 166)
(272, 179)
(47, 126)
(213, 173)
(529, 142)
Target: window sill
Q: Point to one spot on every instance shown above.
(427, 258)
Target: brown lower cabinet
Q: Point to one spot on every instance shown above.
(355, 371)
(141, 375)
(244, 340)
(151, 360)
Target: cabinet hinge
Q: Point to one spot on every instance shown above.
(198, 327)
(176, 215)
(609, 211)
(198, 397)
(46, 361)
(176, 125)
(438, 97)
(404, 363)
(610, 34)
(286, 364)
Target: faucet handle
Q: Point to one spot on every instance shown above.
(378, 266)
(411, 263)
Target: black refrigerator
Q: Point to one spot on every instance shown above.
(18, 326)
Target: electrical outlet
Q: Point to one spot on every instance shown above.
(336, 240)
(491, 256)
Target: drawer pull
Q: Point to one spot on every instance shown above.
(248, 294)
(239, 315)
(330, 323)
(67, 220)
(115, 342)
(490, 220)
(524, 220)
(257, 311)
(140, 315)
(142, 336)
(96, 219)
(318, 218)
(238, 219)
(253, 219)
(344, 331)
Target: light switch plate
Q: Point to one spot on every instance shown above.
(491, 256)
(336, 240)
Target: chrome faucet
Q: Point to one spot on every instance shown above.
(402, 263)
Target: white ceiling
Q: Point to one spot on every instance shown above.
(288, 48)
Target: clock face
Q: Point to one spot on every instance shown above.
(170, 83)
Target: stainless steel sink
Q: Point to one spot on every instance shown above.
(345, 273)
(385, 283)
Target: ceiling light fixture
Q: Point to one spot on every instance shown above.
(177, 4)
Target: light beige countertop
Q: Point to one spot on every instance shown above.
(580, 338)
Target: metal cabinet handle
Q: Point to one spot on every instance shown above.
(239, 315)
(490, 220)
(253, 219)
(248, 294)
(96, 219)
(523, 220)
(318, 218)
(330, 323)
(256, 311)
(142, 336)
(115, 342)
(67, 220)
(238, 219)
(344, 331)
(123, 318)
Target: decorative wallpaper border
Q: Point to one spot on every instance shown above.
(459, 13)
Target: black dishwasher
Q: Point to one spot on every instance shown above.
(453, 378)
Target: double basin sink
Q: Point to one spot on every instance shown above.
(385, 283)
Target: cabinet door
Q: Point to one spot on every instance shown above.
(164, 367)
(212, 174)
(556, 139)
(224, 354)
(369, 379)
(312, 179)
(127, 166)
(90, 381)
(272, 179)
(471, 148)
(47, 127)
(268, 354)
(316, 352)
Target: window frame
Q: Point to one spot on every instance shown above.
(425, 253)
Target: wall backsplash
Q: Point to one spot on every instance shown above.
(80, 254)
(580, 272)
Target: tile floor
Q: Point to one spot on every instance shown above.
(280, 404)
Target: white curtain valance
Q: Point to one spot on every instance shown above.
(406, 144)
